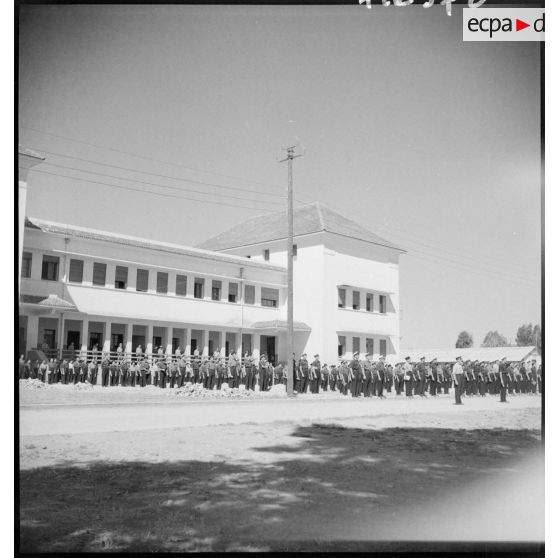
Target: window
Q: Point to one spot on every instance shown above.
(26, 264)
(383, 347)
(99, 274)
(76, 271)
(215, 290)
(295, 250)
(198, 287)
(49, 338)
(356, 344)
(142, 280)
(249, 294)
(341, 345)
(270, 297)
(382, 304)
(50, 268)
(266, 255)
(233, 292)
(181, 282)
(121, 277)
(370, 346)
(162, 282)
(356, 300)
(341, 294)
(369, 302)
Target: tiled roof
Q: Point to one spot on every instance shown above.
(308, 219)
(105, 236)
(50, 301)
(29, 152)
(30, 299)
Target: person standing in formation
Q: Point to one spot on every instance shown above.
(458, 378)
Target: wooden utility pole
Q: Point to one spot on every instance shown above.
(290, 330)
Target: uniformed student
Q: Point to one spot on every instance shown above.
(196, 364)
(504, 379)
(333, 377)
(182, 363)
(368, 382)
(344, 375)
(163, 368)
(421, 370)
(458, 379)
(408, 377)
(304, 371)
(381, 376)
(357, 375)
(324, 377)
(173, 373)
(316, 366)
(211, 373)
(105, 371)
(432, 374)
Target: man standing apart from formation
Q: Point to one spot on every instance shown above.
(457, 374)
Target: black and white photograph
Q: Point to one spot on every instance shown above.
(280, 281)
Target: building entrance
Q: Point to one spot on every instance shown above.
(267, 348)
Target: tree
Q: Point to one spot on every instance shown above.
(494, 339)
(528, 335)
(464, 340)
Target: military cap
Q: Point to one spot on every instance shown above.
(316, 355)
(407, 358)
(422, 358)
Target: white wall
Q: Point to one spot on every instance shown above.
(324, 261)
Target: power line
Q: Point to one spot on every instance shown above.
(468, 269)
(160, 175)
(463, 256)
(149, 191)
(159, 185)
(149, 158)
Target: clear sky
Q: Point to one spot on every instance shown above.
(420, 137)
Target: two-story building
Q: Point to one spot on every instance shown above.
(82, 287)
(346, 278)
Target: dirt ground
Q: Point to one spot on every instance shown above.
(275, 474)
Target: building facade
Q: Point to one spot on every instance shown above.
(82, 287)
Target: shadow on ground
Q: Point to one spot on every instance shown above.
(297, 498)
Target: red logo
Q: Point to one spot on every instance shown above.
(520, 25)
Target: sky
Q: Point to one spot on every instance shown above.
(426, 140)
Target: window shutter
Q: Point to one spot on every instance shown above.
(76, 271)
(181, 284)
(99, 274)
(121, 275)
(162, 282)
(142, 280)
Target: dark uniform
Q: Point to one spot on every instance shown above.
(316, 367)
(304, 372)
(380, 378)
(162, 366)
(368, 379)
(421, 378)
(504, 380)
(357, 376)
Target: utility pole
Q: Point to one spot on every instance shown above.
(290, 330)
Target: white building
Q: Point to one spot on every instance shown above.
(82, 287)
